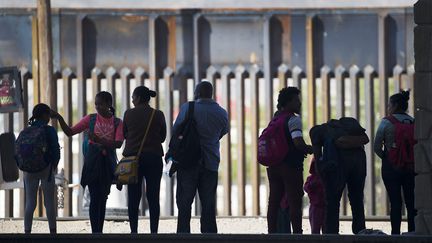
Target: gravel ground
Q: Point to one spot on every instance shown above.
(226, 225)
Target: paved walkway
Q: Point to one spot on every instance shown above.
(228, 225)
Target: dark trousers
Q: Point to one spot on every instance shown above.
(352, 173)
(150, 168)
(97, 207)
(188, 182)
(395, 181)
(284, 179)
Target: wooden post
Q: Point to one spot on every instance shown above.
(48, 94)
(310, 71)
(35, 60)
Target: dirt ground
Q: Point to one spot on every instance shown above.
(231, 225)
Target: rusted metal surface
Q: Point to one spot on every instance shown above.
(215, 4)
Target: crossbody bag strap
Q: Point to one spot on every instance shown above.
(146, 132)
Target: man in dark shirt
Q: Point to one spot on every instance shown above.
(348, 138)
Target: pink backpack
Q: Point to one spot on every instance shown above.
(401, 154)
(273, 143)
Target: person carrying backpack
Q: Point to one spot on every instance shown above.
(286, 177)
(37, 153)
(394, 142)
(105, 135)
(206, 122)
(136, 120)
(339, 147)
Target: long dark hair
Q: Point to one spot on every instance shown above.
(400, 100)
(38, 111)
(108, 99)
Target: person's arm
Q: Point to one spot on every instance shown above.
(301, 145)
(65, 127)
(226, 127)
(295, 128)
(315, 134)
(379, 139)
(347, 142)
(163, 131)
(81, 126)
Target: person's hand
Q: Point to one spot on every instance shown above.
(94, 138)
(54, 114)
(309, 149)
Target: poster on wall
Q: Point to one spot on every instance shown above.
(10, 90)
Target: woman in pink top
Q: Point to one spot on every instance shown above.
(105, 134)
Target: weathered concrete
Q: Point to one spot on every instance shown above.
(423, 115)
(210, 238)
(423, 160)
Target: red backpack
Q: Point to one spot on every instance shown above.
(401, 154)
(273, 143)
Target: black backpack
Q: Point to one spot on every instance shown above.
(185, 146)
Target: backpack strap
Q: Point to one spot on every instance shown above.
(92, 122)
(191, 109)
(394, 120)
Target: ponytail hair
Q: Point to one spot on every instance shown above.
(108, 99)
(38, 111)
(112, 110)
(400, 100)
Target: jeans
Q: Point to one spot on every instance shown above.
(31, 186)
(351, 172)
(188, 182)
(150, 168)
(395, 181)
(284, 179)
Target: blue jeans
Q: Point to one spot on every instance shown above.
(188, 182)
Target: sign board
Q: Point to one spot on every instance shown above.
(11, 99)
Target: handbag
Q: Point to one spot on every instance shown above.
(126, 170)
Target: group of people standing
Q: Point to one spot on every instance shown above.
(339, 161)
(105, 133)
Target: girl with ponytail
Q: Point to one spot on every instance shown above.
(396, 178)
(105, 135)
(45, 177)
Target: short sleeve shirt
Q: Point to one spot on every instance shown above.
(295, 127)
(104, 128)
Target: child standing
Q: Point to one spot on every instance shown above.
(37, 152)
(105, 133)
(315, 190)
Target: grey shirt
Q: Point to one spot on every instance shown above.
(385, 133)
(212, 124)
